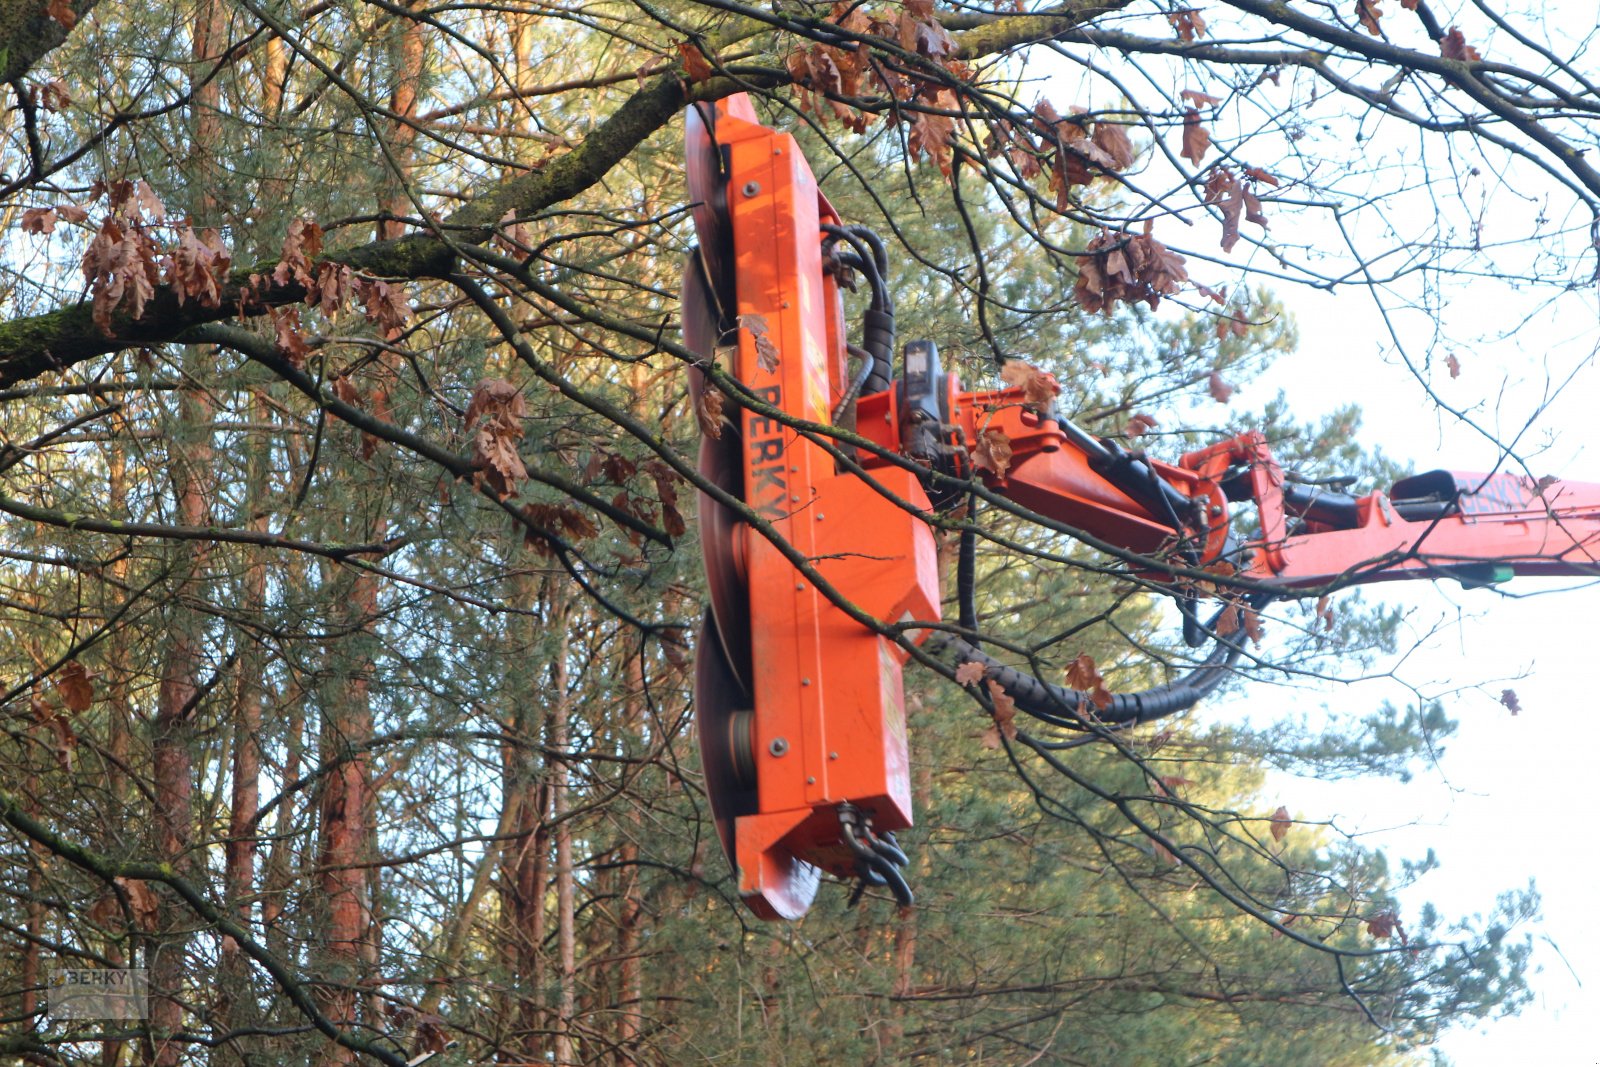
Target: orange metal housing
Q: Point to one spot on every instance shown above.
(829, 722)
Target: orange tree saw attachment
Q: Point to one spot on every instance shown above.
(798, 694)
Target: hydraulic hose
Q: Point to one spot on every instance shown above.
(1060, 706)
(967, 571)
(877, 322)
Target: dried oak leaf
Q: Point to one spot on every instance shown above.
(1454, 46)
(1112, 139)
(1225, 192)
(667, 491)
(1453, 364)
(766, 351)
(1005, 709)
(1250, 619)
(1084, 676)
(39, 220)
(330, 288)
(53, 95)
(62, 12)
(1281, 821)
(384, 303)
(197, 267)
(919, 31)
(933, 134)
(149, 203)
(1508, 697)
(1325, 613)
(969, 673)
(993, 452)
(1187, 23)
(1140, 424)
(708, 412)
(1368, 14)
(1256, 174)
(1039, 388)
(617, 468)
(73, 683)
(120, 267)
(287, 337)
(1118, 268)
(1220, 390)
(544, 521)
(495, 416)
(1386, 924)
(301, 245)
(695, 64)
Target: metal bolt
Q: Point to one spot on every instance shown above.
(833, 755)
(811, 780)
(751, 188)
(820, 516)
(795, 497)
(778, 747)
(799, 585)
(805, 681)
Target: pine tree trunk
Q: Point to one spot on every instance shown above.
(566, 921)
(630, 999)
(239, 869)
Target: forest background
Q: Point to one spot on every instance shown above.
(350, 581)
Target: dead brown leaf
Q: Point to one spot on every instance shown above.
(1281, 821)
(1039, 389)
(74, 684)
(993, 452)
(708, 412)
(62, 12)
(695, 64)
(1005, 709)
(1368, 14)
(766, 351)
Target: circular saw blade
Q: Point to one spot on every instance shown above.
(718, 700)
(721, 462)
(708, 195)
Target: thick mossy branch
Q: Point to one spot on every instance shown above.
(27, 34)
(52, 342)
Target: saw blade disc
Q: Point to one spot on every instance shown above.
(721, 719)
(708, 193)
(721, 462)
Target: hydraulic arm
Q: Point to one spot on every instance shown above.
(799, 697)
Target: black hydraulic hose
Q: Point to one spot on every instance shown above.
(1060, 706)
(880, 257)
(854, 389)
(866, 261)
(967, 572)
(877, 322)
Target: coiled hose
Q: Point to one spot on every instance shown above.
(1073, 710)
